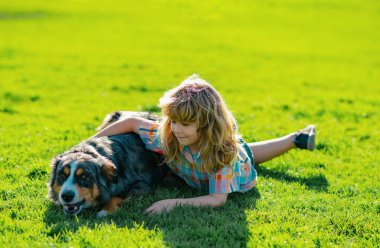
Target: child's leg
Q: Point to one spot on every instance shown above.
(266, 150)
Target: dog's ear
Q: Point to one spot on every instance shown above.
(53, 165)
(109, 170)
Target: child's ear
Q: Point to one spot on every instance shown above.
(109, 170)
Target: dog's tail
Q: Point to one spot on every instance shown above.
(109, 119)
(117, 115)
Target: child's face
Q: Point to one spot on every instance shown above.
(186, 133)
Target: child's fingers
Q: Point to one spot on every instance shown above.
(149, 210)
(159, 207)
(154, 209)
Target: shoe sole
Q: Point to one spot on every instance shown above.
(311, 139)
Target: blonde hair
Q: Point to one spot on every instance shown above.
(195, 100)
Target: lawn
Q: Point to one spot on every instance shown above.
(280, 65)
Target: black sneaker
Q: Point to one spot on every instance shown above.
(305, 138)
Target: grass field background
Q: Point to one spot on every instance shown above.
(279, 65)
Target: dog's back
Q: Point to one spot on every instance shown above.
(138, 169)
(135, 163)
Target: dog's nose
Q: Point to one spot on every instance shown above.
(68, 196)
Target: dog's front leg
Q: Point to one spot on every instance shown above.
(112, 206)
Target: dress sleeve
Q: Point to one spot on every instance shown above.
(148, 132)
(223, 181)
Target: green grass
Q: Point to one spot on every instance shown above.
(279, 65)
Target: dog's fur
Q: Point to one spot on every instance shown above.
(102, 172)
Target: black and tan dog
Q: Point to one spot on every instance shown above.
(103, 172)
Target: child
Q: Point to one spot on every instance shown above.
(199, 139)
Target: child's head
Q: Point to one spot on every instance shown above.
(195, 101)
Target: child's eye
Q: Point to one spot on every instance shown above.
(172, 122)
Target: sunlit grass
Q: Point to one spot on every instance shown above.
(279, 65)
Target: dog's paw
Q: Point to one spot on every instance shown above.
(102, 214)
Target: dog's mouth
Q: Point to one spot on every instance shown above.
(73, 208)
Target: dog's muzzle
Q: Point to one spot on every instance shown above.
(73, 209)
(68, 207)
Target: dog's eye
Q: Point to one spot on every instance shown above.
(85, 177)
(61, 177)
(85, 180)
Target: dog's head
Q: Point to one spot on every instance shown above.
(80, 180)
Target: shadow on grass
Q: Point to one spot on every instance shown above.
(184, 226)
(314, 182)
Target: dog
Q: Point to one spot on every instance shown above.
(103, 172)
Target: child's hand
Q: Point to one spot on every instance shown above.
(164, 205)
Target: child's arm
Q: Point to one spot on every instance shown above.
(129, 124)
(213, 200)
